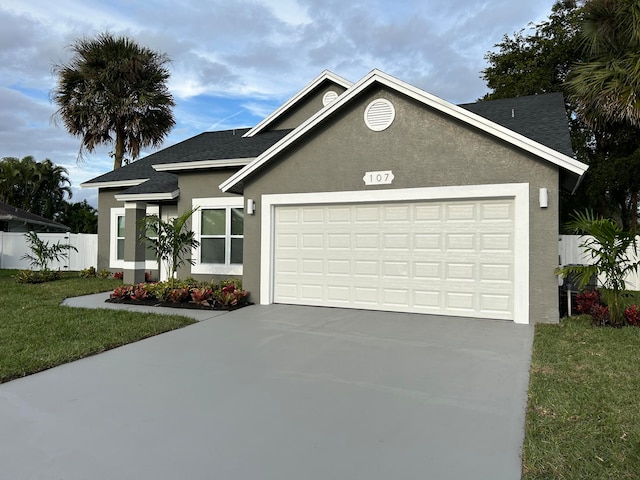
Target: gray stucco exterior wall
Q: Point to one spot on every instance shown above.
(201, 184)
(306, 109)
(106, 201)
(424, 148)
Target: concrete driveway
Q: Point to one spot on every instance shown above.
(280, 392)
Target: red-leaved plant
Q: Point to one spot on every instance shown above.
(139, 292)
(177, 295)
(122, 292)
(118, 275)
(202, 296)
(230, 296)
(600, 315)
(586, 300)
(632, 315)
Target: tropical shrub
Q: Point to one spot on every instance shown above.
(88, 272)
(34, 276)
(118, 275)
(225, 294)
(202, 296)
(230, 296)
(41, 256)
(632, 315)
(104, 273)
(121, 292)
(609, 247)
(600, 315)
(177, 295)
(139, 292)
(171, 241)
(586, 300)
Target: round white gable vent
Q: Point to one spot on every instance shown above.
(379, 114)
(329, 97)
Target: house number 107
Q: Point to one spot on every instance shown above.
(378, 178)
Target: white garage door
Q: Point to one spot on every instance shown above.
(451, 258)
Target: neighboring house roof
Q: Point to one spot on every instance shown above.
(206, 150)
(235, 182)
(14, 214)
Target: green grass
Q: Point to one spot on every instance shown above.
(37, 333)
(583, 417)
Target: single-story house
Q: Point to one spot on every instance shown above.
(368, 195)
(13, 219)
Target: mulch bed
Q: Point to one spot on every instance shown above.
(188, 305)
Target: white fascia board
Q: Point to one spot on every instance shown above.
(437, 103)
(116, 183)
(484, 124)
(203, 164)
(141, 197)
(325, 75)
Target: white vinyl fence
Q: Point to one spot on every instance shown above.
(13, 246)
(570, 254)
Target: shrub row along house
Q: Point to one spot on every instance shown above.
(373, 195)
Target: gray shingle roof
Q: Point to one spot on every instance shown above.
(225, 144)
(541, 118)
(9, 213)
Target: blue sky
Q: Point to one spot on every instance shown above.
(235, 61)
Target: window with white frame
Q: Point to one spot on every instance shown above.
(116, 253)
(219, 227)
(117, 236)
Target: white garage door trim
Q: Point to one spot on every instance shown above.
(517, 191)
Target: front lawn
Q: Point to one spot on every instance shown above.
(583, 417)
(37, 333)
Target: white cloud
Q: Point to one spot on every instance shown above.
(232, 62)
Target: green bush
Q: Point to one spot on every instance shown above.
(31, 276)
(88, 273)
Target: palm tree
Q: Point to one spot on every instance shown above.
(114, 91)
(613, 252)
(37, 187)
(605, 86)
(50, 186)
(171, 241)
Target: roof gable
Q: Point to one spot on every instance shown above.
(234, 183)
(326, 77)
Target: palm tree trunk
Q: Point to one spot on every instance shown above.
(119, 151)
(633, 214)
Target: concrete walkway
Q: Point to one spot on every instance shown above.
(280, 392)
(97, 300)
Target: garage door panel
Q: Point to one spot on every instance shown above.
(497, 242)
(496, 273)
(497, 211)
(427, 242)
(461, 212)
(451, 257)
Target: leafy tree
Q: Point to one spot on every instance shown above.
(535, 60)
(80, 217)
(37, 187)
(609, 247)
(114, 91)
(542, 59)
(172, 241)
(604, 86)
